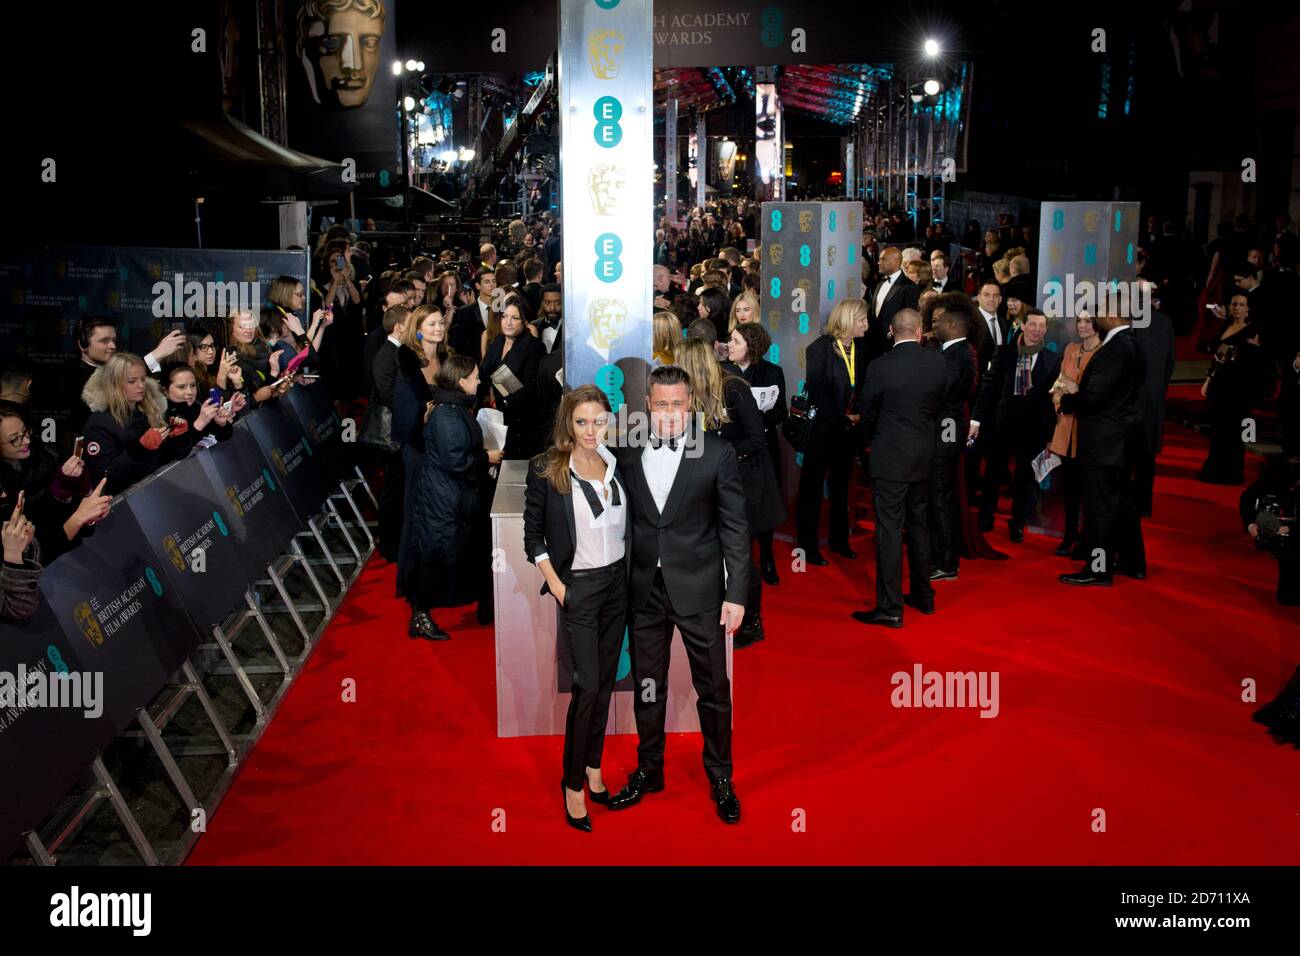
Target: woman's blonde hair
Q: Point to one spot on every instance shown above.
(554, 465)
(695, 356)
(281, 292)
(844, 315)
(113, 375)
(755, 315)
(411, 328)
(667, 336)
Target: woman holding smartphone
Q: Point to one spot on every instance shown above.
(575, 532)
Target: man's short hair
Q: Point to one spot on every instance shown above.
(956, 307)
(1020, 265)
(941, 256)
(478, 276)
(731, 254)
(667, 375)
(905, 324)
(414, 276)
(552, 288)
(533, 269)
(394, 317)
(420, 265)
(486, 250)
(402, 286)
(13, 374)
(993, 282)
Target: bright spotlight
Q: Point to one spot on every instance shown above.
(408, 103)
(466, 154)
(932, 87)
(397, 68)
(419, 65)
(932, 48)
(410, 65)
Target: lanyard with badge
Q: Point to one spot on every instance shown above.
(850, 364)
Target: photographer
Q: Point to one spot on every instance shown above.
(1268, 512)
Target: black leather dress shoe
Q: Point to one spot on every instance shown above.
(1063, 549)
(940, 575)
(877, 616)
(769, 573)
(1139, 574)
(986, 525)
(578, 823)
(751, 632)
(639, 784)
(1086, 579)
(844, 551)
(815, 557)
(423, 626)
(726, 801)
(1017, 534)
(925, 607)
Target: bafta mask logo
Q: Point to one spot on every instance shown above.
(338, 44)
(1090, 220)
(279, 462)
(805, 221)
(174, 552)
(774, 254)
(232, 495)
(155, 271)
(603, 49)
(608, 319)
(18, 297)
(853, 289)
(607, 186)
(85, 619)
(805, 284)
(774, 318)
(803, 358)
(113, 300)
(1054, 252)
(853, 218)
(60, 269)
(830, 255)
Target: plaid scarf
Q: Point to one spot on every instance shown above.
(1025, 366)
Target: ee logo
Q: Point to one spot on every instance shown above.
(831, 220)
(607, 4)
(608, 249)
(609, 379)
(805, 255)
(830, 288)
(1058, 219)
(608, 112)
(803, 323)
(383, 177)
(773, 22)
(775, 288)
(776, 220)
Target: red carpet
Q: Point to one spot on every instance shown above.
(1126, 700)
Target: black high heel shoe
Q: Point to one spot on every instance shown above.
(583, 823)
(600, 797)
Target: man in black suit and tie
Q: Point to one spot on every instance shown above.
(1106, 403)
(893, 292)
(989, 333)
(951, 320)
(1016, 397)
(469, 321)
(939, 264)
(900, 405)
(688, 523)
(549, 324)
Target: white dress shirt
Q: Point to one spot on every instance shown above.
(483, 312)
(940, 284)
(883, 292)
(660, 465)
(600, 539)
(944, 346)
(1111, 334)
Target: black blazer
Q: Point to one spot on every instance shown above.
(520, 409)
(466, 334)
(384, 372)
(702, 528)
(1107, 403)
(900, 405)
(549, 525)
(959, 364)
(828, 381)
(984, 342)
(1031, 420)
(903, 294)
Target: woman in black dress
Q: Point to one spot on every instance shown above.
(727, 406)
(520, 353)
(748, 344)
(1239, 376)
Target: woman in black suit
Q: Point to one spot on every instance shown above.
(575, 531)
(749, 343)
(727, 406)
(836, 367)
(515, 349)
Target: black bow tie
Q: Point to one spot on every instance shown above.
(657, 443)
(593, 499)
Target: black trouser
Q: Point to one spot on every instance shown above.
(980, 452)
(1226, 461)
(899, 503)
(1111, 521)
(392, 492)
(594, 617)
(945, 514)
(765, 553)
(706, 648)
(1022, 483)
(754, 594)
(1072, 491)
(995, 469)
(829, 456)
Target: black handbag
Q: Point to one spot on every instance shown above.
(798, 425)
(377, 428)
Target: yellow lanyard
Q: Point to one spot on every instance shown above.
(848, 361)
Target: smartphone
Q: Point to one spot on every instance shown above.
(229, 406)
(339, 263)
(78, 444)
(215, 396)
(178, 327)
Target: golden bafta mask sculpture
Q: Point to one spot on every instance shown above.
(774, 318)
(608, 319)
(607, 186)
(603, 49)
(1090, 220)
(85, 619)
(803, 358)
(805, 284)
(173, 552)
(232, 494)
(338, 44)
(853, 218)
(805, 222)
(853, 291)
(830, 255)
(774, 252)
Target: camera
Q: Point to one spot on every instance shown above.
(1275, 518)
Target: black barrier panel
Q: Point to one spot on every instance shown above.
(43, 749)
(311, 406)
(286, 449)
(261, 520)
(189, 533)
(115, 605)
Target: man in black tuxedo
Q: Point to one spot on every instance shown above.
(951, 320)
(549, 324)
(1155, 343)
(688, 523)
(469, 321)
(1016, 397)
(893, 292)
(900, 405)
(1106, 404)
